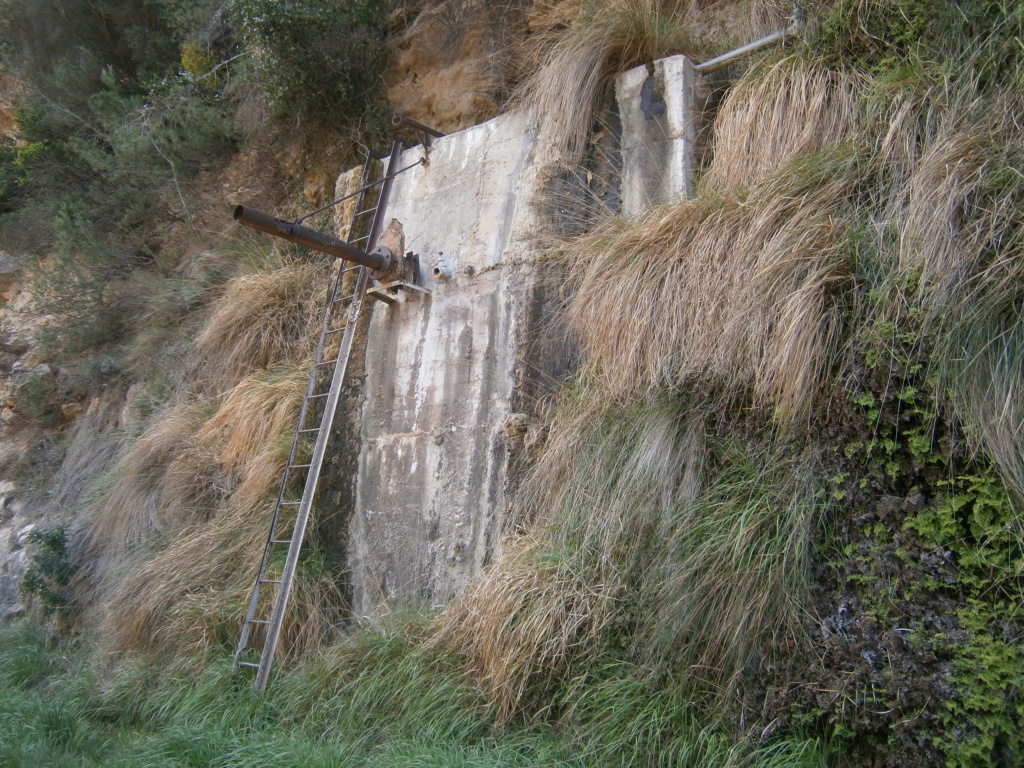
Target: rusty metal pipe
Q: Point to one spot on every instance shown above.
(295, 233)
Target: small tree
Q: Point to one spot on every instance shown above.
(316, 59)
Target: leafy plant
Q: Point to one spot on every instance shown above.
(316, 59)
(50, 570)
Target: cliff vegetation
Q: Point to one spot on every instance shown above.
(778, 518)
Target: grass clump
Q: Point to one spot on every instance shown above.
(377, 698)
(649, 545)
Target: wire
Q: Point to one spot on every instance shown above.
(359, 191)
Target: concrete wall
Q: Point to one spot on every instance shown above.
(452, 377)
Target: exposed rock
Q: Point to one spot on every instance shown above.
(10, 273)
(70, 411)
(450, 62)
(14, 531)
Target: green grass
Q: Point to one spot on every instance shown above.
(375, 699)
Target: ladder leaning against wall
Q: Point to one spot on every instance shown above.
(266, 610)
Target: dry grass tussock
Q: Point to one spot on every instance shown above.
(569, 66)
(181, 598)
(132, 507)
(777, 112)
(962, 243)
(741, 293)
(603, 496)
(186, 465)
(192, 596)
(703, 570)
(519, 626)
(177, 527)
(263, 319)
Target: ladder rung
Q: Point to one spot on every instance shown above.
(280, 541)
(344, 298)
(297, 466)
(258, 621)
(352, 269)
(270, 581)
(335, 330)
(311, 429)
(317, 397)
(365, 210)
(328, 362)
(359, 239)
(248, 664)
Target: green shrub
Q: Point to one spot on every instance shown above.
(50, 571)
(35, 399)
(316, 59)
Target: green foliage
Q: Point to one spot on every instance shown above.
(94, 195)
(139, 41)
(316, 58)
(936, 37)
(931, 571)
(108, 133)
(974, 521)
(50, 570)
(35, 399)
(375, 699)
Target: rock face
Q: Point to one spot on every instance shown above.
(28, 388)
(14, 530)
(450, 61)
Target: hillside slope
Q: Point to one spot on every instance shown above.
(777, 519)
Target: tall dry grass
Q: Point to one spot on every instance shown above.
(262, 319)
(742, 293)
(569, 64)
(193, 591)
(642, 525)
(838, 202)
(177, 528)
(777, 112)
(133, 506)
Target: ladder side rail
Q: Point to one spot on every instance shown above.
(309, 491)
(250, 614)
(332, 293)
(385, 197)
(313, 476)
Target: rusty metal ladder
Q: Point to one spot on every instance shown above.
(274, 579)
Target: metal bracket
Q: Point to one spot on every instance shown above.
(387, 293)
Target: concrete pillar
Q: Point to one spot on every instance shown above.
(656, 107)
(445, 371)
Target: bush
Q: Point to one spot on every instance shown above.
(316, 59)
(50, 571)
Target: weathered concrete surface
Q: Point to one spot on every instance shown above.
(453, 377)
(446, 370)
(658, 133)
